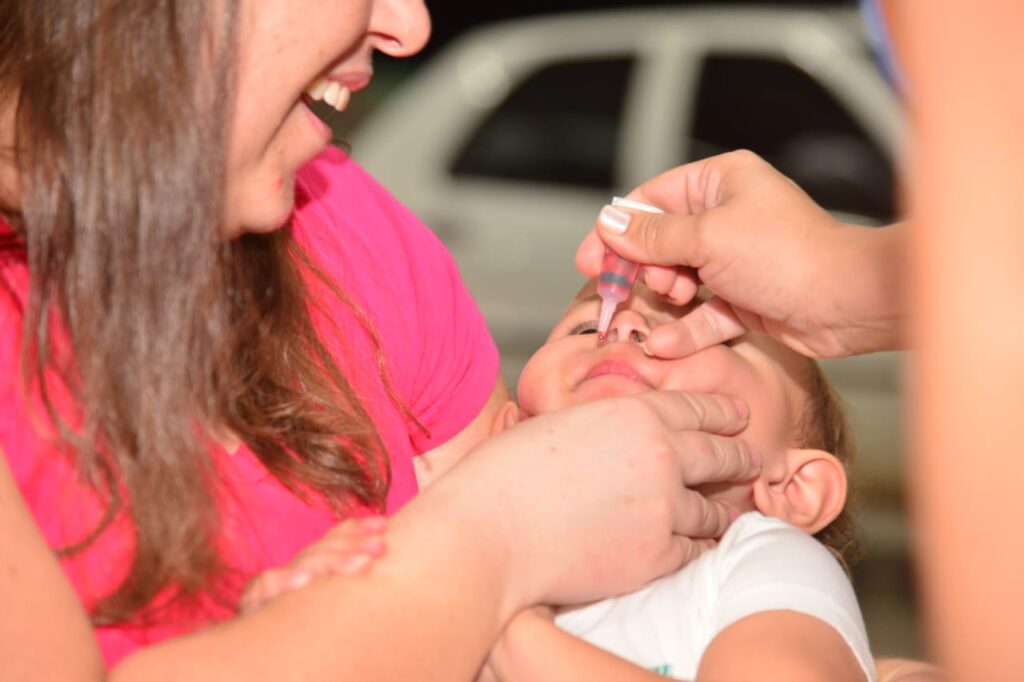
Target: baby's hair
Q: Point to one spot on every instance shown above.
(823, 426)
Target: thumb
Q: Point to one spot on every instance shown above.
(654, 238)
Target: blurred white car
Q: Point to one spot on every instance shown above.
(509, 142)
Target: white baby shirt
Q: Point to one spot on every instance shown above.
(761, 564)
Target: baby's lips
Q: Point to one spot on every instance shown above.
(618, 367)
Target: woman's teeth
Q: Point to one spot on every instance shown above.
(334, 94)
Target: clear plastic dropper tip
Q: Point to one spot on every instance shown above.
(604, 321)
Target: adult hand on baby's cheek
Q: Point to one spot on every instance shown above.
(584, 486)
(350, 548)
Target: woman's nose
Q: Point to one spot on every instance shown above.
(401, 27)
(628, 326)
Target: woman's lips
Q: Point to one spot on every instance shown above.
(616, 368)
(323, 131)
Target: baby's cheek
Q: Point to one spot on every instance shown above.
(538, 391)
(700, 373)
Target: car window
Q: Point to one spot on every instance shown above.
(561, 125)
(777, 110)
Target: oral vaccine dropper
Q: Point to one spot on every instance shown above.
(617, 274)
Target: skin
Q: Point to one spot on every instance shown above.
(968, 284)
(274, 131)
(573, 367)
(722, 216)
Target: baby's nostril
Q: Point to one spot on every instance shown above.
(638, 336)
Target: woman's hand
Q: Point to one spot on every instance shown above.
(347, 549)
(776, 262)
(597, 500)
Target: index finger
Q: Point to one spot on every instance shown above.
(589, 254)
(706, 412)
(708, 324)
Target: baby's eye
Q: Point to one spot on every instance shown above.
(588, 327)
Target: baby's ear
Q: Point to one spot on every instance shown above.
(809, 494)
(508, 416)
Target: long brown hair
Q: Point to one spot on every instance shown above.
(121, 124)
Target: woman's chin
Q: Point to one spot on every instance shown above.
(267, 215)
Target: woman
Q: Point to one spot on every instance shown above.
(211, 356)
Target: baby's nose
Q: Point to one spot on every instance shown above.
(628, 326)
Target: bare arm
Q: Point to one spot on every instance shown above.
(534, 649)
(408, 618)
(46, 635)
(44, 632)
(774, 645)
(779, 645)
(458, 563)
(967, 467)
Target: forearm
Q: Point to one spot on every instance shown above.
(965, 394)
(781, 646)
(534, 649)
(430, 609)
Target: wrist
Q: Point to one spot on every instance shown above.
(467, 508)
(868, 289)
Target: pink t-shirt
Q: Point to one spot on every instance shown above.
(437, 352)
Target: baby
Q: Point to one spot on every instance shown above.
(769, 597)
(770, 601)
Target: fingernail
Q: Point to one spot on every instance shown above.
(358, 564)
(734, 513)
(742, 409)
(638, 205)
(614, 220)
(755, 458)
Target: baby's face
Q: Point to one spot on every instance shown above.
(572, 368)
